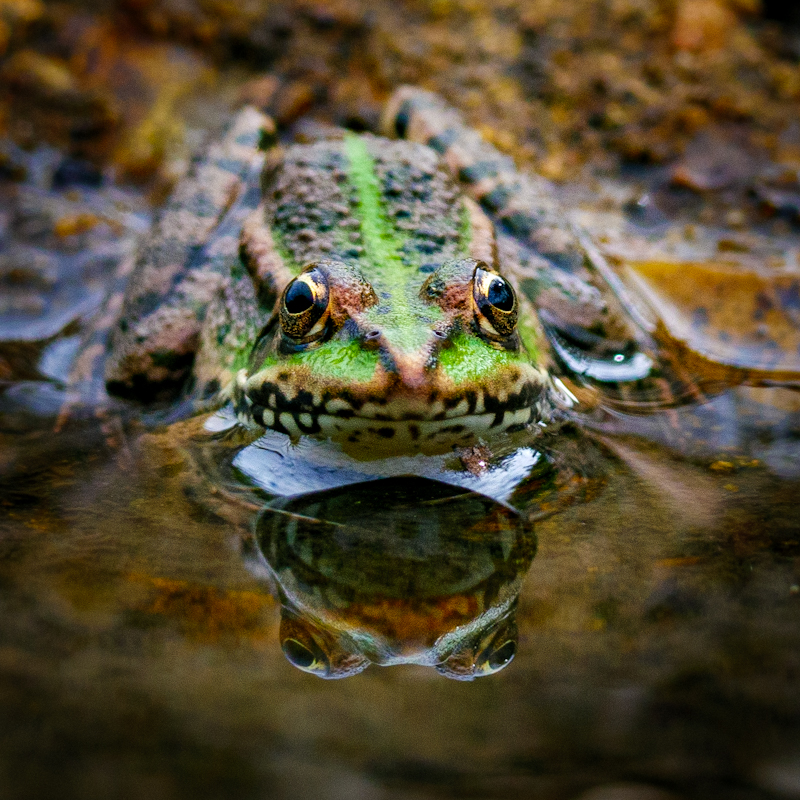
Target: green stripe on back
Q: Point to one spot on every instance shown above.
(403, 317)
(380, 236)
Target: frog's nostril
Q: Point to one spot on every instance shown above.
(372, 335)
(439, 334)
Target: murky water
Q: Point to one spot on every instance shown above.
(625, 592)
(658, 632)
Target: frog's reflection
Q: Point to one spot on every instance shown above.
(398, 570)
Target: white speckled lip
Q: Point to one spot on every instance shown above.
(407, 423)
(402, 435)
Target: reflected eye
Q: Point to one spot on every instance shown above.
(500, 650)
(497, 658)
(496, 303)
(304, 658)
(494, 651)
(304, 306)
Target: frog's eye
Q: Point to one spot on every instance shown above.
(498, 651)
(304, 306)
(306, 656)
(313, 649)
(496, 303)
(497, 656)
(494, 651)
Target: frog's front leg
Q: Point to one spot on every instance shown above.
(184, 264)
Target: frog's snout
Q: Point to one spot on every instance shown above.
(408, 372)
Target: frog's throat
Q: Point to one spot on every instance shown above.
(412, 421)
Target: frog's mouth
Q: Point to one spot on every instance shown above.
(406, 421)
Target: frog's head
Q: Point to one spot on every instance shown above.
(420, 365)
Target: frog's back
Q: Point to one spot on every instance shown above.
(365, 200)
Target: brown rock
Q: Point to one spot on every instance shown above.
(702, 25)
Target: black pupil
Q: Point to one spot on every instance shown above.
(500, 295)
(502, 655)
(299, 298)
(298, 654)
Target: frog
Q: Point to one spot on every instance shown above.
(393, 295)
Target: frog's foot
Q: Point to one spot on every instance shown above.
(85, 392)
